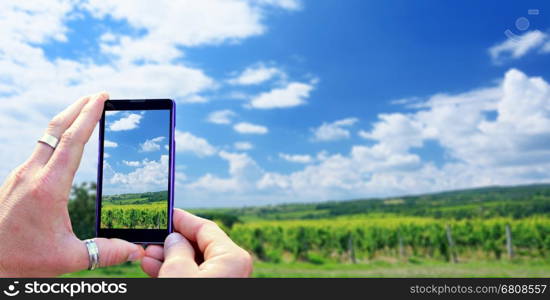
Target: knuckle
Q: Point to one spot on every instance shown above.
(88, 108)
(37, 191)
(70, 137)
(20, 174)
(55, 123)
(108, 258)
(39, 188)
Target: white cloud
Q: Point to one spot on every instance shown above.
(151, 145)
(336, 130)
(296, 158)
(398, 131)
(256, 74)
(518, 46)
(29, 21)
(478, 150)
(293, 94)
(126, 123)
(221, 116)
(249, 128)
(243, 146)
(147, 71)
(131, 163)
(187, 142)
(243, 172)
(151, 176)
(286, 4)
(170, 24)
(110, 144)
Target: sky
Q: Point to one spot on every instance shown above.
(283, 101)
(136, 151)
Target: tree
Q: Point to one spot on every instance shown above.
(82, 209)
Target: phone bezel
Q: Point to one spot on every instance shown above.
(138, 236)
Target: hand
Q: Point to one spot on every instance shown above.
(222, 257)
(36, 236)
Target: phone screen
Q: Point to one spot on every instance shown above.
(136, 160)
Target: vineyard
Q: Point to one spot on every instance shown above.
(135, 211)
(494, 231)
(364, 238)
(478, 224)
(142, 216)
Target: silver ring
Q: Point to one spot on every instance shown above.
(93, 254)
(49, 140)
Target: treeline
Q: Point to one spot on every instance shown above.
(136, 198)
(513, 202)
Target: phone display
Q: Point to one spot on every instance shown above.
(135, 177)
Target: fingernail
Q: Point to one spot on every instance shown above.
(103, 95)
(172, 239)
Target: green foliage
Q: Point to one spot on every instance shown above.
(327, 232)
(228, 220)
(514, 202)
(317, 240)
(135, 216)
(82, 210)
(315, 258)
(135, 211)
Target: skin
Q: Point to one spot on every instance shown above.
(36, 234)
(198, 248)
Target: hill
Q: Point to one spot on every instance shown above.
(513, 201)
(135, 198)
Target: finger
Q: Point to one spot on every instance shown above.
(66, 158)
(155, 251)
(179, 257)
(210, 238)
(117, 251)
(56, 127)
(151, 266)
(111, 252)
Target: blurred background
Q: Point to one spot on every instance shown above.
(328, 138)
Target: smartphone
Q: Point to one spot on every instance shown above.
(135, 178)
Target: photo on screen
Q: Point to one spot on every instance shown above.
(135, 169)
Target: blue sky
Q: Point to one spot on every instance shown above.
(136, 151)
(298, 100)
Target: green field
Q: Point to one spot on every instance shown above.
(486, 232)
(535, 268)
(135, 211)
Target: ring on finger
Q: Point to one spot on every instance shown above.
(49, 140)
(93, 254)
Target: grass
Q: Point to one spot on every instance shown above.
(416, 268)
(127, 270)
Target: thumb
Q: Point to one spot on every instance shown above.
(179, 257)
(117, 251)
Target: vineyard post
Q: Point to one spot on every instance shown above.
(509, 247)
(158, 220)
(400, 239)
(452, 253)
(351, 250)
